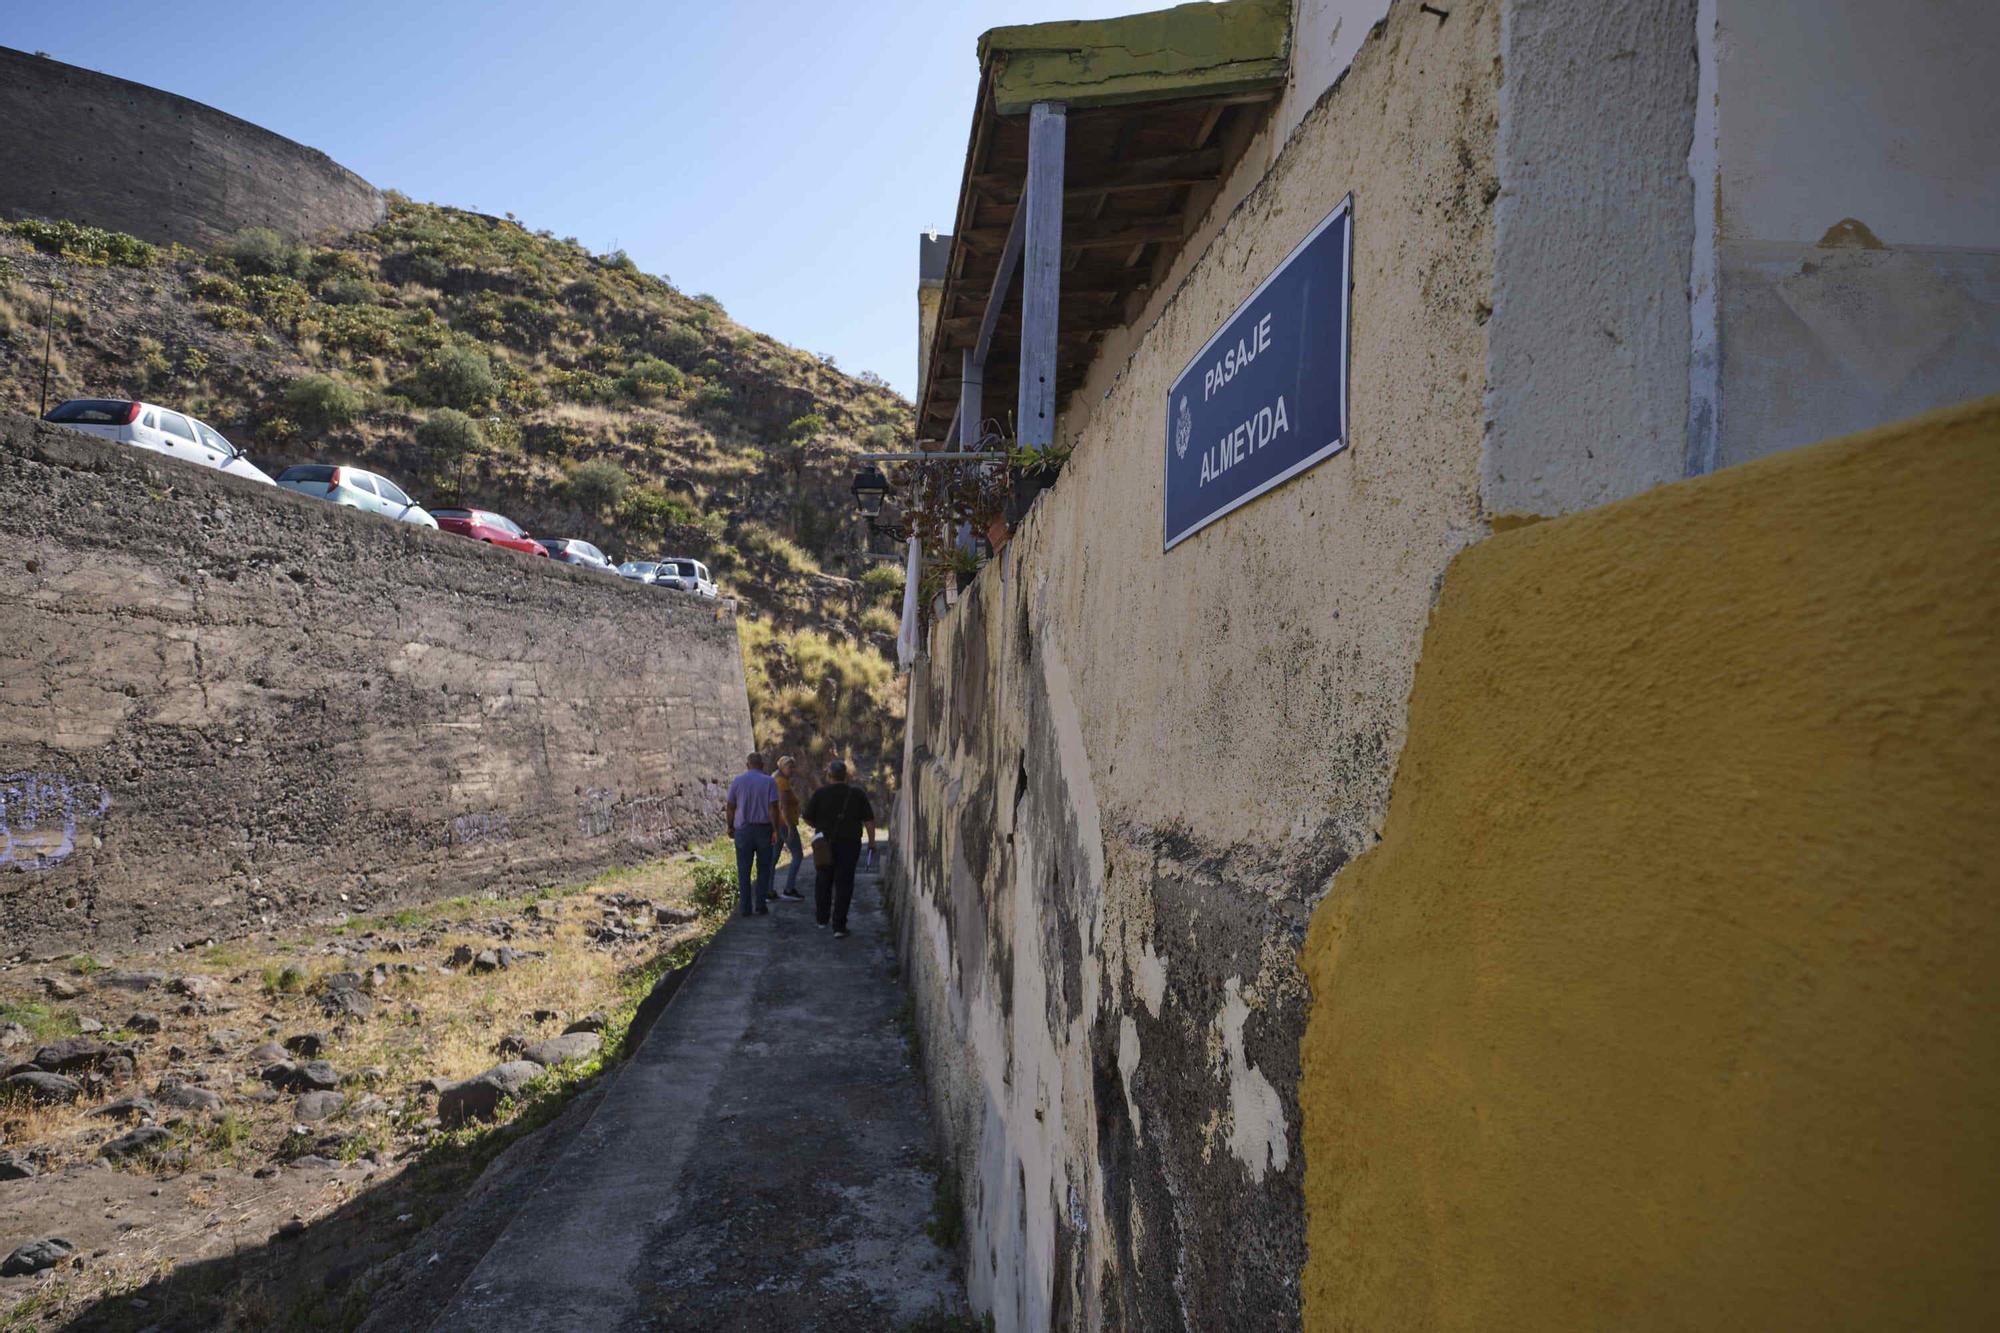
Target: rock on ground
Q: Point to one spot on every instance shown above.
(36, 1255)
(477, 1098)
(132, 981)
(316, 1106)
(187, 1097)
(137, 1141)
(42, 1087)
(569, 1046)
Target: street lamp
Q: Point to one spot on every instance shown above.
(870, 488)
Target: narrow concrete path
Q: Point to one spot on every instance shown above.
(762, 1163)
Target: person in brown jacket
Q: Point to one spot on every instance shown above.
(788, 803)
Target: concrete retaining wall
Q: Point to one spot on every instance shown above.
(222, 703)
(1669, 998)
(117, 154)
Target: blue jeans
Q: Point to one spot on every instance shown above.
(754, 847)
(790, 842)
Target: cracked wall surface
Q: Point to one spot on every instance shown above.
(221, 703)
(1129, 774)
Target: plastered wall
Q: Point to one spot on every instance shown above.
(1130, 773)
(1669, 998)
(221, 704)
(1858, 207)
(91, 148)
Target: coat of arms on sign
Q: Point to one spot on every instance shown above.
(1183, 429)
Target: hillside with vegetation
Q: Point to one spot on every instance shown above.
(480, 363)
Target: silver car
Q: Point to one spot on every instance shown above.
(640, 571)
(160, 429)
(354, 488)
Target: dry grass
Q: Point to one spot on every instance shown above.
(429, 1021)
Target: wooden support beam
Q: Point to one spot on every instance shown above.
(1041, 274)
(1144, 173)
(971, 380)
(1115, 236)
(996, 295)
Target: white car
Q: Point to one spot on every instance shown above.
(354, 488)
(687, 575)
(161, 429)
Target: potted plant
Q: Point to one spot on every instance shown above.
(964, 568)
(1030, 472)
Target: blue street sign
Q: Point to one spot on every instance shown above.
(1266, 397)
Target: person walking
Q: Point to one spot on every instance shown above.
(755, 822)
(840, 811)
(788, 802)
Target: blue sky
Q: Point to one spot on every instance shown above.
(782, 156)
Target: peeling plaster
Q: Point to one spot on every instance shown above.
(1149, 974)
(1128, 1064)
(1257, 1135)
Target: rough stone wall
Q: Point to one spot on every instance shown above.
(222, 703)
(1668, 999)
(1131, 773)
(111, 153)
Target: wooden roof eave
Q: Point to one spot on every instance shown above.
(1206, 58)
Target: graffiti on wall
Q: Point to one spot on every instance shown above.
(479, 826)
(38, 817)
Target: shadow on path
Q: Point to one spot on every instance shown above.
(763, 1162)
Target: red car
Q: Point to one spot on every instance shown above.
(485, 526)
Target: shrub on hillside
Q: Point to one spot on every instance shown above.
(215, 287)
(758, 540)
(262, 250)
(457, 376)
(583, 386)
(652, 379)
(883, 584)
(447, 436)
(597, 485)
(651, 513)
(86, 245)
(347, 289)
(713, 398)
(551, 439)
(322, 402)
(677, 342)
(423, 268)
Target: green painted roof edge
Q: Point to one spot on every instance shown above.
(1188, 51)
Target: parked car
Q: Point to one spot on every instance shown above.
(161, 429)
(354, 488)
(687, 575)
(483, 525)
(571, 551)
(639, 571)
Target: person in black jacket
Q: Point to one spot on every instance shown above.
(840, 811)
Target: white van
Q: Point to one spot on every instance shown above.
(161, 429)
(687, 575)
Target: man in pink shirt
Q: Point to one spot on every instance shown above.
(756, 822)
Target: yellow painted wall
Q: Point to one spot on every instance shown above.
(1670, 998)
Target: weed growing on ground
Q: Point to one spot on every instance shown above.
(947, 1221)
(285, 980)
